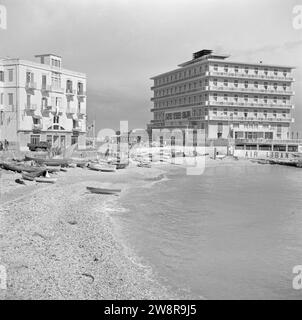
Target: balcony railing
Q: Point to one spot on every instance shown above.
(30, 107)
(71, 110)
(70, 92)
(31, 85)
(248, 76)
(247, 90)
(57, 89)
(248, 104)
(46, 87)
(37, 127)
(81, 93)
(77, 129)
(254, 119)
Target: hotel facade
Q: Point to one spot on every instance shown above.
(41, 101)
(228, 99)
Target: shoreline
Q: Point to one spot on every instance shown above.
(59, 242)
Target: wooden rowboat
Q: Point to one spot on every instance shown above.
(103, 191)
(45, 180)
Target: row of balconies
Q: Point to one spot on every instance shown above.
(249, 104)
(246, 90)
(213, 73)
(49, 108)
(52, 88)
(39, 127)
(247, 76)
(225, 89)
(256, 119)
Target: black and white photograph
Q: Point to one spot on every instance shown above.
(150, 150)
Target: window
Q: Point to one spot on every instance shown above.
(56, 119)
(74, 139)
(246, 70)
(275, 72)
(215, 111)
(225, 112)
(284, 86)
(284, 113)
(256, 70)
(2, 76)
(255, 113)
(265, 113)
(236, 83)
(236, 98)
(34, 139)
(245, 113)
(215, 96)
(10, 75)
(256, 84)
(246, 84)
(266, 71)
(236, 69)
(2, 98)
(215, 67)
(10, 99)
(284, 73)
(246, 98)
(255, 98)
(177, 115)
(226, 68)
(265, 99)
(275, 100)
(265, 85)
(236, 112)
(215, 82)
(284, 100)
(1, 118)
(275, 86)
(225, 82)
(275, 114)
(225, 97)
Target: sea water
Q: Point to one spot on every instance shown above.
(234, 232)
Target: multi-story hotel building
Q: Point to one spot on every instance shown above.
(227, 99)
(41, 102)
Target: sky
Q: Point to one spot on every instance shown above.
(121, 44)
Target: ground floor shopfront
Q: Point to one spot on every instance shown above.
(54, 138)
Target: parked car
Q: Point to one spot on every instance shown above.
(41, 146)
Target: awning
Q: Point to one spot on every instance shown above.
(36, 116)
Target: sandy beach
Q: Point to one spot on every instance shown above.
(58, 241)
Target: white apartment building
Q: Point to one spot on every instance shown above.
(227, 99)
(41, 101)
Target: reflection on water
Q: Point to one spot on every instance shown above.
(234, 232)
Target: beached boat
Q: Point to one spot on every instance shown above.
(45, 180)
(103, 191)
(94, 166)
(28, 177)
(20, 168)
(108, 168)
(120, 166)
(49, 162)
